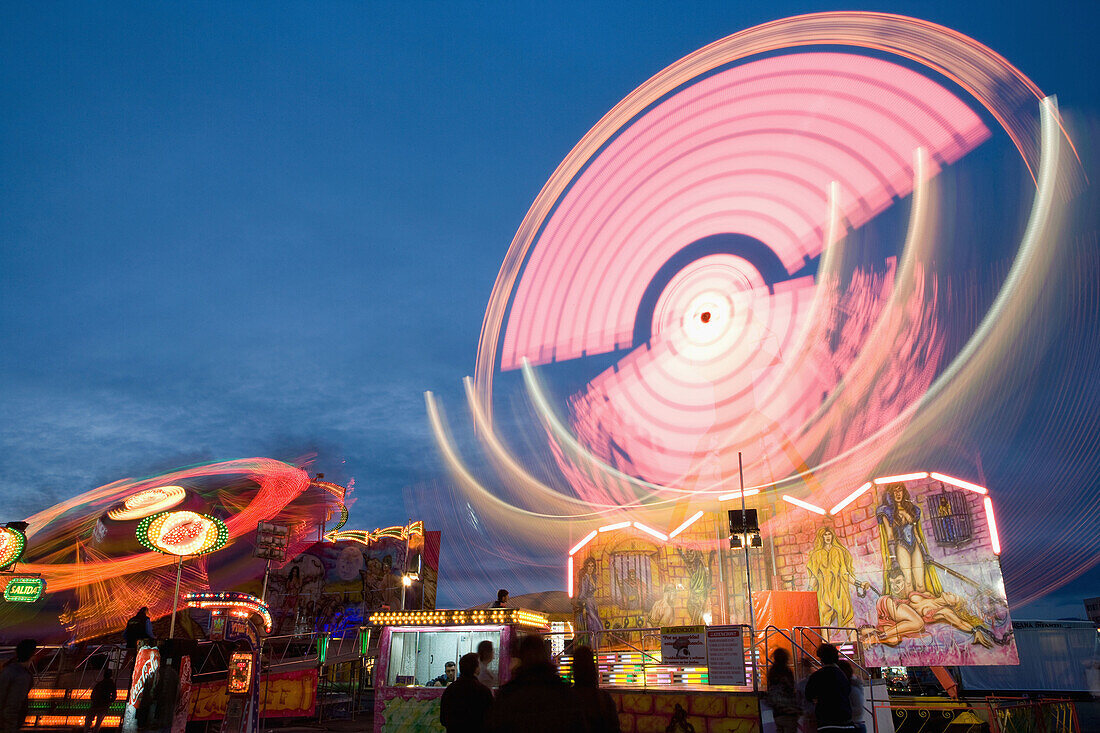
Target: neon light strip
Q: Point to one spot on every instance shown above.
(569, 574)
(583, 542)
(692, 520)
(960, 483)
(650, 531)
(994, 536)
(805, 505)
(737, 494)
(850, 498)
(901, 477)
(618, 525)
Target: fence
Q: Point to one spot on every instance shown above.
(995, 715)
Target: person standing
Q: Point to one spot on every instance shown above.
(781, 694)
(829, 691)
(536, 699)
(16, 681)
(502, 599)
(485, 658)
(139, 627)
(465, 704)
(104, 693)
(598, 707)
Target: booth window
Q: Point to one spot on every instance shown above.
(418, 657)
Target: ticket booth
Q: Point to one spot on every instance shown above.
(244, 620)
(410, 673)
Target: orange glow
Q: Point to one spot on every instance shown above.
(148, 501)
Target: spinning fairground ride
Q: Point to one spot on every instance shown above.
(789, 271)
(97, 558)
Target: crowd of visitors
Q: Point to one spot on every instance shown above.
(832, 697)
(535, 700)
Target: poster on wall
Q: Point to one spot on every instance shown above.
(684, 646)
(911, 566)
(725, 655)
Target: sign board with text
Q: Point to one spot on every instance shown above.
(725, 655)
(24, 590)
(684, 646)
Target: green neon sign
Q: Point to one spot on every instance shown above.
(24, 590)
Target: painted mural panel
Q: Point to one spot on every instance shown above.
(626, 579)
(911, 566)
(334, 585)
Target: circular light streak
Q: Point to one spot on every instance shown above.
(147, 502)
(182, 533)
(12, 544)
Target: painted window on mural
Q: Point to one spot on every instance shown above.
(631, 575)
(949, 514)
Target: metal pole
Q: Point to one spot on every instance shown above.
(745, 543)
(405, 563)
(176, 597)
(263, 593)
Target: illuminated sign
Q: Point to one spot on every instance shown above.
(477, 616)
(182, 533)
(24, 590)
(12, 544)
(240, 673)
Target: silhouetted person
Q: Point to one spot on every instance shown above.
(598, 707)
(139, 627)
(484, 659)
(536, 699)
(16, 681)
(855, 696)
(465, 704)
(502, 599)
(828, 689)
(104, 693)
(781, 695)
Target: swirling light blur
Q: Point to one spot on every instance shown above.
(703, 236)
(148, 501)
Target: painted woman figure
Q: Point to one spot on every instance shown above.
(902, 541)
(587, 587)
(831, 575)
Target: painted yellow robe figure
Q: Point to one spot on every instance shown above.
(831, 575)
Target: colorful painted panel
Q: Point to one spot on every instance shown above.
(912, 565)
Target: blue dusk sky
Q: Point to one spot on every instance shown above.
(254, 229)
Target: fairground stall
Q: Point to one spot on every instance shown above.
(416, 646)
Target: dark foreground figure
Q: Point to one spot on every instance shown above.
(536, 700)
(464, 707)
